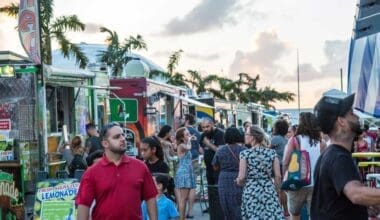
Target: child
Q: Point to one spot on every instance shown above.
(152, 153)
(165, 207)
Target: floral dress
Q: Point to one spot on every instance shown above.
(260, 200)
(184, 177)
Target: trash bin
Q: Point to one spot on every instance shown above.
(214, 208)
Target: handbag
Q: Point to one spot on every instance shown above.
(298, 174)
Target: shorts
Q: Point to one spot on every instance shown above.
(297, 199)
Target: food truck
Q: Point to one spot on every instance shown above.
(143, 105)
(19, 149)
(229, 113)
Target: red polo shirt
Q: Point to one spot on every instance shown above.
(117, 190)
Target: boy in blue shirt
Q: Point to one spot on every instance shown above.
(165, 207)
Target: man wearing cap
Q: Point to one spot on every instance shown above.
(338, 191)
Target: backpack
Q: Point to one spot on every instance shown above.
(77, 163)
(298, 174)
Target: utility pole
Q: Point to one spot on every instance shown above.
(298, 83)
(341, 79)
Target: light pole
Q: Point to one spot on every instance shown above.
(298, 83)
(341, 79)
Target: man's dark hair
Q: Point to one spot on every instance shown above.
(245, 123)
(190, 118)
(104, 131)
(90, 126)
(281, 127)
(366, 127)
(233, 136)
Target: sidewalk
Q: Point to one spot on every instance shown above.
(197, 212)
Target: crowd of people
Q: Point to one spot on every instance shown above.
(245, 164)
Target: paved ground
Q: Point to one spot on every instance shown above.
(197, 211)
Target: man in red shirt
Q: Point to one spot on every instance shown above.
(117, 183)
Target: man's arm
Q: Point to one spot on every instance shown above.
(207, 143)
(152, 208)
(83, 212)
(361, 195)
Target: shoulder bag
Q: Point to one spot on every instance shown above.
(298, 174)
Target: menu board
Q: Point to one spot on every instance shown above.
(55, 199)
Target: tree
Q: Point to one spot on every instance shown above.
(54, 29)
(117, 54)
(173, 61)
(172, 77)
(202, 84)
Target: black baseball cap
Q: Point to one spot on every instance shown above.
(334, 103)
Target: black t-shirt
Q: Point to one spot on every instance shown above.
(216, 137)
(93, 144)
(334, 169)
(158, 167)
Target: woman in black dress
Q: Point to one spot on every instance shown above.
(226, 159)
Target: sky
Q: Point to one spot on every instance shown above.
(226, 37)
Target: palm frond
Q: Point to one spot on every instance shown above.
(174, 60)
(67, 23)
(68, 48)
(10, 10)
(112, 39)
(135, 43)
(47, 12)
(80, 57)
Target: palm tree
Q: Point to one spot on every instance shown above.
(177, 79)
(268, 95)
(244, 90)
(116, 55)
(202, 84)
(173, 61)
(194, 78)
(171, 76)
(54, 29)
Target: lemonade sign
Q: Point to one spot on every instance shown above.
(11, 199)
(55, 199)
(7, 186)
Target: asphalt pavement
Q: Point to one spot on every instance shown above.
(197, 211)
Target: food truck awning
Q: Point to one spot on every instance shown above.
(186, 99)
(56, 75)
(66, 84)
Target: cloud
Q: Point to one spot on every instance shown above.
(205, 57)
(195, 56)
(7, 2)
(264, 59)
(208, 14)
(336, 55)
(2, 42)
(92, 28)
